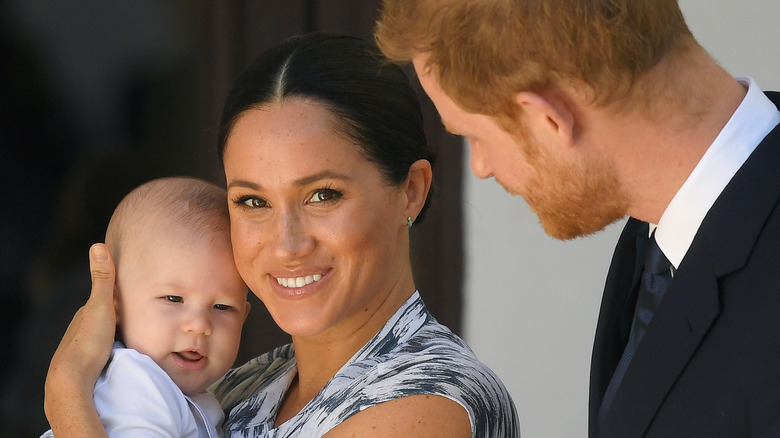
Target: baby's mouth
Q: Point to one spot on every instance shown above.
(189, 356)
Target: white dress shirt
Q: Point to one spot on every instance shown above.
(755, 117)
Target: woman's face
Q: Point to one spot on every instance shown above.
(318, 235)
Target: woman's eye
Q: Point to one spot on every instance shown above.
(324, 195)
(222, 307)
(253, 202)
(173, 298)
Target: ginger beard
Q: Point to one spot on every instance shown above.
(570, 198)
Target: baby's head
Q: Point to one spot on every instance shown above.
(179, 297)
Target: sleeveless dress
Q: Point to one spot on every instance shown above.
(411, 355)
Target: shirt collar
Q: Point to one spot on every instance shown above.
(755, 117)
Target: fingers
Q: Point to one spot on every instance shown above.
(86, 344)
(101, 267)
(83, 352)
(97, 319)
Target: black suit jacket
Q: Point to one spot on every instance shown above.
(709, 364)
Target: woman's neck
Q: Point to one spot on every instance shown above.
(320, 357)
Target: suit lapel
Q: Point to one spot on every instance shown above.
(688, 309)
(692, 303)
(610, 338)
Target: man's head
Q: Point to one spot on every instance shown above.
(518, 78)
(483, 52)
(179, 297)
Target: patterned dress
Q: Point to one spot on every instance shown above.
(411, 355)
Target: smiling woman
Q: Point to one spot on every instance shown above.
(326, 162)
(311, 208)
(326, 165)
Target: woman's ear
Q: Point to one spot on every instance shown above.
(547, 115)
(418, 184)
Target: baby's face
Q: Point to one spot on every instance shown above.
(183, 304)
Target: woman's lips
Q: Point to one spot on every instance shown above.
(298, 286)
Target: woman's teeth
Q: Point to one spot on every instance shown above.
(298, 281)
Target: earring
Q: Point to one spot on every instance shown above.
(409, 221)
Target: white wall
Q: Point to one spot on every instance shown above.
(531, 301)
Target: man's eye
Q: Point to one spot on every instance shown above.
(324, 195)
(173, 298)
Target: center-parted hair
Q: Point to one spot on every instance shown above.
(372, 101)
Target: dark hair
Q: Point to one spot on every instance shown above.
(372, 99)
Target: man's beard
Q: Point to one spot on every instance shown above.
(571, 199)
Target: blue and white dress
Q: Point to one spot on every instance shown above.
(411, 355)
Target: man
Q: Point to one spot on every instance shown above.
(596, 109)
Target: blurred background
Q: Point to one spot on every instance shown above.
(100, 96)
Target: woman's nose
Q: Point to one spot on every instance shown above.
(293, 239)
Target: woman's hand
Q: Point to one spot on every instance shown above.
(82, 354)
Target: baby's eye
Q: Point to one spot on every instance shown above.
(174, 298)
(222, 307)
(324, 195)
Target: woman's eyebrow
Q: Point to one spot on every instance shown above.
(299, 182)
(244, 184)
(326, 174)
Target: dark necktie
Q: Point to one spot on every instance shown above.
(656, 276)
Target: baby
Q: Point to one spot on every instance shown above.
(180, 307)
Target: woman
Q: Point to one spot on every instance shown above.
(327, 168)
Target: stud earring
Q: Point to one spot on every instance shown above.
(409, 221)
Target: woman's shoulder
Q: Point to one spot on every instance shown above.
(415, 346)
(435, 353)
(431, 360)
(437, 336)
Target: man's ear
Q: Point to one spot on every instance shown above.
(417, 186)
(547, 114)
